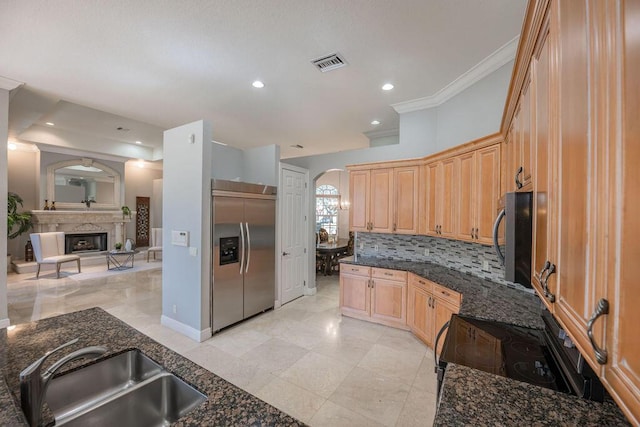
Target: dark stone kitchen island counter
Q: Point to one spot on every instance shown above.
(481, 299)
(473, 397)
(226, 404)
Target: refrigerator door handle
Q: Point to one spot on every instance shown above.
(246, 270)
(242, 249)
(496, 245)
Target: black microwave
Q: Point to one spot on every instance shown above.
(518, 216)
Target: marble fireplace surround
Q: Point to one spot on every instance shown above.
(82, 222)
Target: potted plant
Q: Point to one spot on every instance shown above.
(118, 246)
(17, 223)
(126, 212)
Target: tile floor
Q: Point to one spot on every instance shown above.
(304, 358)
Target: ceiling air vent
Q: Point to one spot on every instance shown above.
(297, 146)
(328, 63)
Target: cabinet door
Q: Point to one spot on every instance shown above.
(420, 314)
(524, 151)
(576, 295)
(446, 199)
(443, 313)
(544, 147)
(355, 295)
(381, 201)
(511, 164)
(467, 196)
(622, 372)
(389, 302)
(405, 181)
(359, 188)
(487, 192)
(434, 173)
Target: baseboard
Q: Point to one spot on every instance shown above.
(4, 323)
(277, 305)
(185, 330)
(310, 291)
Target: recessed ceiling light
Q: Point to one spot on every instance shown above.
(387, 86)
(258, 84)
(375, 122)
(138, 142)
(12, 146)
(50, 124)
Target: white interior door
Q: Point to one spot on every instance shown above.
(293, 195)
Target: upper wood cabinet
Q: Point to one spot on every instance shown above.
(518, 173)
(441, 197)
(478, 191)
(384, 200)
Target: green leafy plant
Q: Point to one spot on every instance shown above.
(118, 246)
(17, 223)
(126, 211)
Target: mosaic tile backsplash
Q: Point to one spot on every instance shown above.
(461, 256)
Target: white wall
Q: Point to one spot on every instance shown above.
(156, 204)
(473, 113)
(4, 134)
(227, 163)
(186, 206)
(261, 165)
(21, 178)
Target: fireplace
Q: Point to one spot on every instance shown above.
(85, 242)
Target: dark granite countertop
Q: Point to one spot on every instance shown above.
(476, 398)
(226, 404)
(481, 298)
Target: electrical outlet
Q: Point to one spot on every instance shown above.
(375, 248)
(361, 245)
(426, 251)
(175, 309)
(485, 265)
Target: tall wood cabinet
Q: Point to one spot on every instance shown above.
(440, 196)
(384, 200)
(580, 60)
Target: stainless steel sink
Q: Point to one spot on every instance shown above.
(126, 390)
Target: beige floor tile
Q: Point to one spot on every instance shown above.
(398, 364)
(317, 373)
(426, 378)
(419, 409)
(333, 415)
(169, 338)
(238, 342)
(275, 355)
(374, 396)
(402, 340)
(347, 349)
(291, 399)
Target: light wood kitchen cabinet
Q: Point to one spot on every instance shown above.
(384, 200)
(518, 146)
(371, 200)
(478, 190)
(374, 294)
(584, 62)
(440, 196)
(430, 306)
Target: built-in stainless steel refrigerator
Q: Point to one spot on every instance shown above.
(243, 279)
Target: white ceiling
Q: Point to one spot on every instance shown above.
(163, 63)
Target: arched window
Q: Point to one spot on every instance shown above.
(327, 200)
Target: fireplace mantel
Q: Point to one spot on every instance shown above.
(68, 221)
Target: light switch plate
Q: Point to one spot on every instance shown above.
(179, 238)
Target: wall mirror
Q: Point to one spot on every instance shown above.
(72, 182)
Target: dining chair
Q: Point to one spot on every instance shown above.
(155, 243)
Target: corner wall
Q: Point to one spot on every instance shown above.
(4, 135)
(139, 182)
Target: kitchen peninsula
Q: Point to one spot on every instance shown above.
(226, 404)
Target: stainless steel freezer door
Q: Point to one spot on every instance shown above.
(260, 265)
(227, 283)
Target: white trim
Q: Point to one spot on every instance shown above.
(372, 134)
(9, 84)
(185, 330)
(479, 71)
(310, 291)
(4, 323)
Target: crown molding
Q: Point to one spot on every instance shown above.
(9, 84)
(373, 134)
(476, 73)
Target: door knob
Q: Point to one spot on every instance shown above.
(285, 253)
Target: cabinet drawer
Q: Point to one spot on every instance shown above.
(357, 270)
(421, 283)
(446, 294)
(383, 273)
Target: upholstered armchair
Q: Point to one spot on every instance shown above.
(156, 242)
(48, 248)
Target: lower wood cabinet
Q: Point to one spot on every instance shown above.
(375, 294)
(429, 307)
